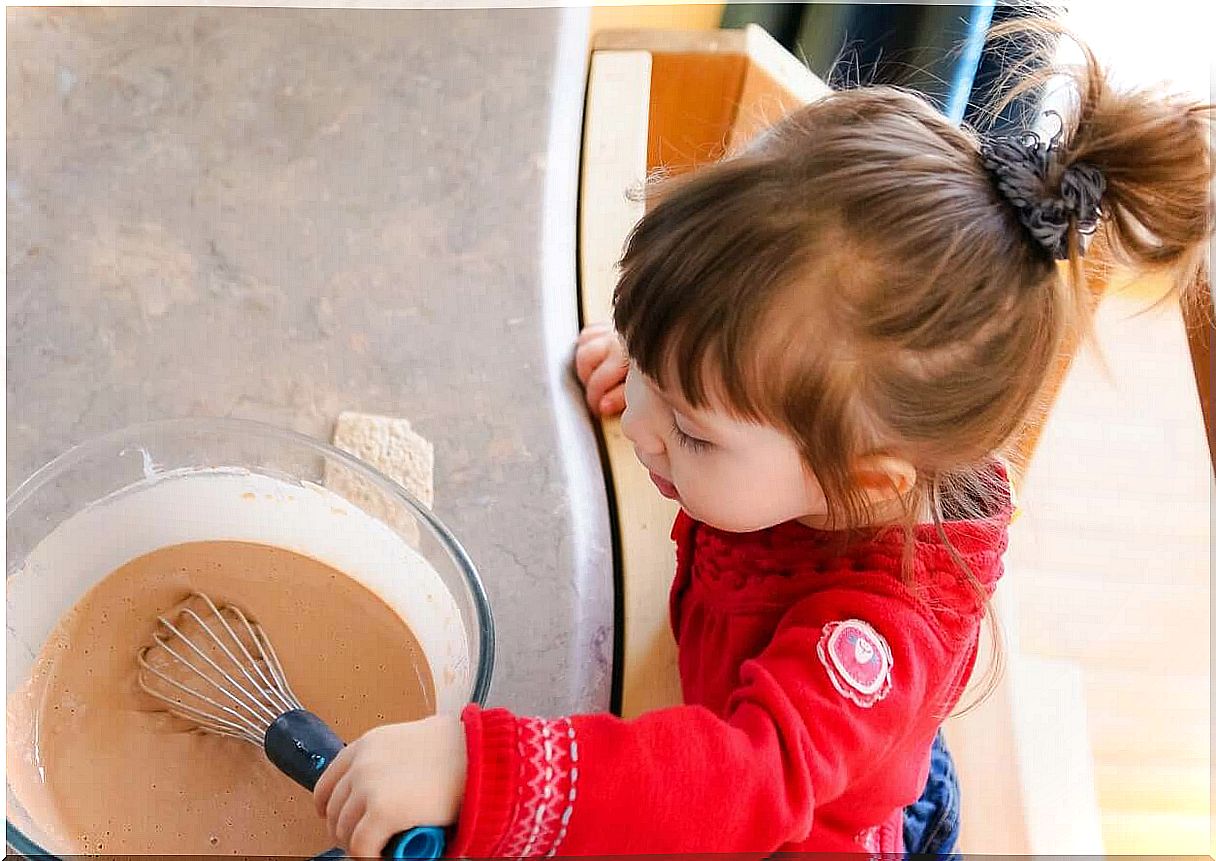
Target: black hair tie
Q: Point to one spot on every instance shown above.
(1019, 165)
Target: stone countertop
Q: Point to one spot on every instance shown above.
(280, 214)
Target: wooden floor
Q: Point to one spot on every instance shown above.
(1112, 558)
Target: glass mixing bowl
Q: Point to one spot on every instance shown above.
(195, 459)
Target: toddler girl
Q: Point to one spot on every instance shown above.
(831, 340)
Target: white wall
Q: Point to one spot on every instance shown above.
(1146, 42)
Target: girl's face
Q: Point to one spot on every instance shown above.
(733, 475)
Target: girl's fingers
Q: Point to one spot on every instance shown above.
(592, 331)
(328, 780)
(368, 838)
(338, 802)
(589, 356)
(604, 379)
(348, 821)
(613, 403)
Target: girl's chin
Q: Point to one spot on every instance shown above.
(735, 526)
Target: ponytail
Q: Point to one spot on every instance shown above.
(1151, 150)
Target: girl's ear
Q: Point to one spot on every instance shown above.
(884, 477)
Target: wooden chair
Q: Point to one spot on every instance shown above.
(1199, 322)
(678, 100)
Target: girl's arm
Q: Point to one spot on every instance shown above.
(796, 732)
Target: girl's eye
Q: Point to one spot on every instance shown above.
(689, 442)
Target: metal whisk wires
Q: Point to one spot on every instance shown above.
(212, 676)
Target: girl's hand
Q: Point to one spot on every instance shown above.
(391, 779)
(599, 359)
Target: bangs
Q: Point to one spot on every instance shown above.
(699, 273)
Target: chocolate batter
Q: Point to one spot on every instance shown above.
(98, 767)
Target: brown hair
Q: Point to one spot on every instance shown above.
(855, 278)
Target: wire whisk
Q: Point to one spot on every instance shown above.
(226, 679)
(215, 667)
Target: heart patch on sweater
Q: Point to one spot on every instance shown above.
(858, 661)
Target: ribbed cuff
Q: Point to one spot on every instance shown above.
(491, 794)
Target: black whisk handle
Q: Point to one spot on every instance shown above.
(302, 746)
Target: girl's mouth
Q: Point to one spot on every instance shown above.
(665, 487)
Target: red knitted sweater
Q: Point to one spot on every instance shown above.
(814, 681)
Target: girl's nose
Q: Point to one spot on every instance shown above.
(639, 432)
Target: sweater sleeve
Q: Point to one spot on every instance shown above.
(839, 684)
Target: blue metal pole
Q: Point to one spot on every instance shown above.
(973, 49)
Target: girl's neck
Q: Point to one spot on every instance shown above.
(890, 513)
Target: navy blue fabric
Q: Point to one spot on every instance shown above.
(931, 824)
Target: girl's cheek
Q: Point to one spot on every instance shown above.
(685, 465)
